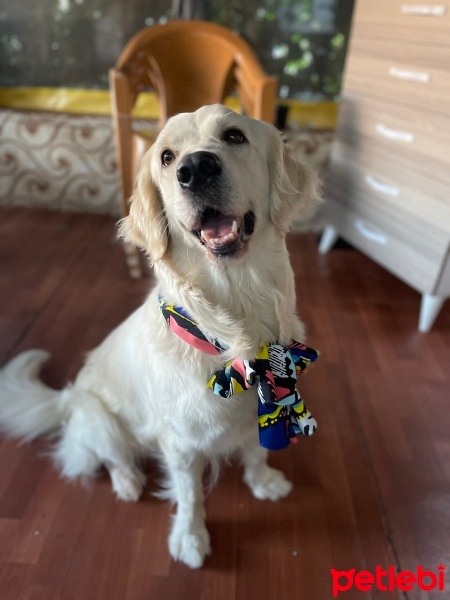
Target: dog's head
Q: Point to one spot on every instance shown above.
(215, 179)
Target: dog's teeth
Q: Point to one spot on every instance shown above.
(216, 242)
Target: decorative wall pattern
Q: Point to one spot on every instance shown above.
(313, 147)
(59, 161)
(66, 162)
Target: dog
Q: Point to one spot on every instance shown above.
(214, 199)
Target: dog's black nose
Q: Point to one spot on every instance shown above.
(198, 171)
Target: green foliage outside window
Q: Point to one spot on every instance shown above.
(73, 43)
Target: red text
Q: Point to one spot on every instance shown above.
(387, 580)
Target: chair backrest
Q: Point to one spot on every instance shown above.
(188, 64)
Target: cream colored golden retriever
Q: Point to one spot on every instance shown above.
(213, 202)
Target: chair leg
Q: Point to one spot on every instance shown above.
(328, 239)
(429, 310)
(133, 260)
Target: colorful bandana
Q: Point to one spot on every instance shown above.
(282, 414)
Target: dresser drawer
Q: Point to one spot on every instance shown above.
(385, 201)
(413, 21)
(412, 205)
(418, 139)
(374, 238)
(412, 74)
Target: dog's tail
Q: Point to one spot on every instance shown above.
(28, 408)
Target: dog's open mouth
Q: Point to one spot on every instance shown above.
(224, 235)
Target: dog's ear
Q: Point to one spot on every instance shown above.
(295, 187)
(146, 224)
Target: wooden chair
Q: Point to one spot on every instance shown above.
(188, 64)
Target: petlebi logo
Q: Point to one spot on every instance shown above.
(388, 580)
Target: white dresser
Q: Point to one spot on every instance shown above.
(387, 191)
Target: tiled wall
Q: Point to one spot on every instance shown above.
(63, 162)
(67, 162)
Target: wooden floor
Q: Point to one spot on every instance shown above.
(372, 487)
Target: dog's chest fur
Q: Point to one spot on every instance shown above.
(164, 380)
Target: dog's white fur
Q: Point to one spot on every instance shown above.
(143, 389)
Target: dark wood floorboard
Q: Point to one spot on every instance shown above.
(371, 488)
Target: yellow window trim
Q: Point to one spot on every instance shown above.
(97, 102)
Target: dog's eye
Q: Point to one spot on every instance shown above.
(234, 136)
(167, 157)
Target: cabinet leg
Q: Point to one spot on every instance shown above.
(328, 239)
(429, 310)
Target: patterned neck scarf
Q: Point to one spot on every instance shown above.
(282, 414)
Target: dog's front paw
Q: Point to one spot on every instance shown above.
(270, 484)
(127, 483)
(190, 547)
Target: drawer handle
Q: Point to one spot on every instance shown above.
(407, 75)
(384, 188)
(425, 10)
(395, 134)
(371, 234)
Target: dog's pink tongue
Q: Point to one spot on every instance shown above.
(219, 230)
